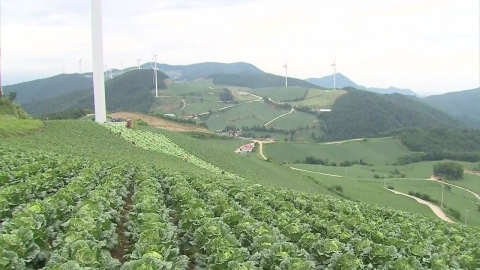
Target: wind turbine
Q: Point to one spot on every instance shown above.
(155, 74)
(138, 63)
(80, 65)
(334, 71)
(97, 55)
(286, 78)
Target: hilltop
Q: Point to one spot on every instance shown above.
(42, 89)
(131, 91)
(14, 121)
(462, 104)
(342, 81)
(360, 114)
(252, 80)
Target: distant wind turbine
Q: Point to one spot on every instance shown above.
(155, 74)
(138, 63)
(80, 65)
(63, 70)
(334, 72)
(286, 77)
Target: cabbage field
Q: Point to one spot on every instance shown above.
(66, 212)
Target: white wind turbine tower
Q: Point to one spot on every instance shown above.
(138, 63)
(155, 74)
(97, 55)
(286, 77)
(80, 65)
(334, 72)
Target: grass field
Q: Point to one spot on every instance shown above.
(281, 93)
(294, 120)
(320, 98)
(373, 151)
(248, 115)
(11, 126)
(359, 183)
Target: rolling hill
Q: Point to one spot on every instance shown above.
(259, 80)
(462, 104)
(203, 70)
(131, 91)
(37, 90)
(361, 114)
(342, 81)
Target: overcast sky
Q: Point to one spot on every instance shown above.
(429, 46)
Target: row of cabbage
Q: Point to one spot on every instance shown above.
(160, 143)
(32, 235)
(22, 184)
(341, 234)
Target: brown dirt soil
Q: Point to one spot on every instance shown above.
(160, 123)
(124, 243)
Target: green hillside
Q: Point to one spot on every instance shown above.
(361, 114)
(14, 121)
(261, 80)
(42, 89)
(462, 104)
(131, 91)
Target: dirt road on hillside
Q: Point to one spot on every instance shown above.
(279, 117)
(260, 144)
(160, 123)
(436, 210)
(297, 169)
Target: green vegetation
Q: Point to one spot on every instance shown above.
(320, 98)
(372, 151)
(281, 94)
(361, 114)
(44, 89)
(14, 121)
(67, 114)
(258, 80)
(461, 104)
(294, 120)
(131, 91)
(448, 170)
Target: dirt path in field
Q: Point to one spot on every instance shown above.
(260, 144)
(90, 114)
(436, 210)
(297, 169)
(279, 117)
(445, 183)
(160, 123)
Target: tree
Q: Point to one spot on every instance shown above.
(449, 170)
(12, 96)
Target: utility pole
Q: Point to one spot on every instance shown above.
(441, 204)
(466, 216)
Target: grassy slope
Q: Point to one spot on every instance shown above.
(16, 122)
(320, 98)
(374, 151)
(250, 167)
(259, 80)
(281, 93)
(294, 120)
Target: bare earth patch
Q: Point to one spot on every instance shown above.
(160, 123)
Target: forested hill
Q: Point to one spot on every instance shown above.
(41, 89)
(361, 114)
(440, 139)
(462, 104)
(259, 80)
(131, 91)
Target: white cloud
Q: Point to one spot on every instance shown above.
(430, 46)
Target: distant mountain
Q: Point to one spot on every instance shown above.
(131, 91)
(41, 89)
(463, 104)
(361, 114)
(259, 80)
(203, 70)
(342, 81)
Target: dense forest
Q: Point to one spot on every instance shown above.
(131, 91)
(37, 90)
(361, 114)
(258, 80)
